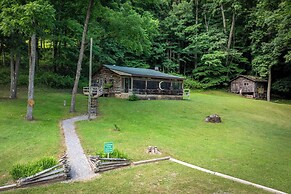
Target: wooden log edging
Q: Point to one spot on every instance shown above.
(59, 172)
(98, 164)
(8, 187)
(104, 164)
(227, 177)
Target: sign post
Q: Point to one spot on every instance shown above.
(108, 148)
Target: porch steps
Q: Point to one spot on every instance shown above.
(93, 106)
(95, 93)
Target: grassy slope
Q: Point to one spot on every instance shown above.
(245, 146)
(252, 143)
(163, 177)
(22, 141)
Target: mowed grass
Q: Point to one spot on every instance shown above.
(22, 141)
(163, 177)
(253, 142)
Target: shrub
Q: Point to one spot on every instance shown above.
(282, 86)
(25, 170)
(133, 97)
(54, 80)
(4, 75)
(115, 154)
(107, 85)
(23, 79)
(190, 83)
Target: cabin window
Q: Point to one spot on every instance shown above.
(153, 85)
(97, 82)
(126, 84)
(246, 84)
(139, 84)
(177, 85)
(165, 85)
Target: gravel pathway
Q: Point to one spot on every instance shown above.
(80, 167)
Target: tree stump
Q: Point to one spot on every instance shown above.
(214, 118)
(153, 150)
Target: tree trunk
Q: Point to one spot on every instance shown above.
(3, 53)
(12, 70)
(229, 41)
(196, 22)
(14, 66)
(269, 84)
(30, 100)
(55, 55)
(81, 54)
(206, 23)
(196, 11)
(37, 54)
(231, 31)
(223, 18)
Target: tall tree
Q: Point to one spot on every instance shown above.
(81, 55)
(38, 17)
(13, 42)
(30, 19)
(14, 72)
(271, 39)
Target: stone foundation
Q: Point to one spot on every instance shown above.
(150, 96)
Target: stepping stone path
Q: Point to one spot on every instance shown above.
(80, 167)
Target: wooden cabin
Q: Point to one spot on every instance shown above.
(122, 82)
(249, 86)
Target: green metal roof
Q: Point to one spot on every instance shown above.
(141, 72)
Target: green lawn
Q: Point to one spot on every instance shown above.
(22, 141)
(163, 177)
(252, 143)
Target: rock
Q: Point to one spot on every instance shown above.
(213, 118)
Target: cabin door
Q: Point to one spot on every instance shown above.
(126, 84)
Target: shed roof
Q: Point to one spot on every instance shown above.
(131, 71)
(252, 78)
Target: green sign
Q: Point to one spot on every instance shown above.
(108, 147)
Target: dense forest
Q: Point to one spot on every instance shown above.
(208, 41)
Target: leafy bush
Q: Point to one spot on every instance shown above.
(54, 80)
(282, 86)
(107, 85)
(115, 154)
(25, 170)
(190, 83)
(23, 79)
(4, 76)
(133, 97)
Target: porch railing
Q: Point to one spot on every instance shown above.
(95, 91)
(158, 92)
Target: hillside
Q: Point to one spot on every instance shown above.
(253, 142)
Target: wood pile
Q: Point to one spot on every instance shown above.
(56, 173)
(104, 164)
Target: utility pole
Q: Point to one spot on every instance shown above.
(90, 80)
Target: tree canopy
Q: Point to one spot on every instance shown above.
(208, 41)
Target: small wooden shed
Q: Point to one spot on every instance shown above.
(251, 86)
(122, 82)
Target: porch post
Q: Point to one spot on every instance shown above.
(131, 85)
